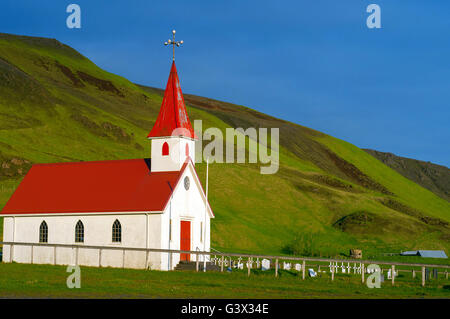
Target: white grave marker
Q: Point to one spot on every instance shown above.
(311, 272)
(265, 264)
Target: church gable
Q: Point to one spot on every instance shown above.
(188, 191)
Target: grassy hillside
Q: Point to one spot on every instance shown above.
(327, 197)
(434, 177)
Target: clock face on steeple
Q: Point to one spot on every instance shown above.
(187, 182)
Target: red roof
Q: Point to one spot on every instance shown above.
(102, 186)
(172, 114)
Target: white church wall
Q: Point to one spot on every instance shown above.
(154, 241)
(8, 226)
(97, 232)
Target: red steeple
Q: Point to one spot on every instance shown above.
(172, 114)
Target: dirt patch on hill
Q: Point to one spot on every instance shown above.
(80, 77)
(208, 103)
(366, 224)
(355, 174)
(334, 182)
(357, 221)
(13, 167)
(90, 125)
(70, 75)
(117, 132)
(402, 208)
(106, 129)
(40, 62)
(102, 85)
(326, 180)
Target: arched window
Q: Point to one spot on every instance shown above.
(117, 232)
(79, 232)
(43, 232)
(187, 149)
(165, 149)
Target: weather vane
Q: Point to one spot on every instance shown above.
(173, 43)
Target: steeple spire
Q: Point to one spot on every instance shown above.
(172, 115)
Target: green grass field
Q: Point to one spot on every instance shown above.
(56, 106)
(42, 281)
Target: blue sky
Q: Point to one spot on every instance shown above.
(311, 62)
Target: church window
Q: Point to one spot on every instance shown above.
(187, 149)
(117, 232)
(79, 232)
(165, 149)
(43, 232)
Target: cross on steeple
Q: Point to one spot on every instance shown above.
(173, 43)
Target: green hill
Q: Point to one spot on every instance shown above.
(434, 177)
(328, 195)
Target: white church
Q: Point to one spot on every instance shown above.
(138, 203)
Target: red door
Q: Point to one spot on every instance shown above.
(185, 239)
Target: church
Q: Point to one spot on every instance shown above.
(133, 203)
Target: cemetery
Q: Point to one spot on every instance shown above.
(49, 281)
(304, 268)
(317, 267)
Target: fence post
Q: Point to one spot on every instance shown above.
(276, 267)
(332, 272)
(54, 255)
(221, 265)
(303, 269)
(32, 250)
(446, 274)
(414, 273)
(146, 259)
(423, 276)
(204, 263)
(196, 262)
(100, 257)
(76, 256)
(393, 274)
(248, 266)
(123, 258)
(362, 273)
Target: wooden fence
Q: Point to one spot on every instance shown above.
(227, 258)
